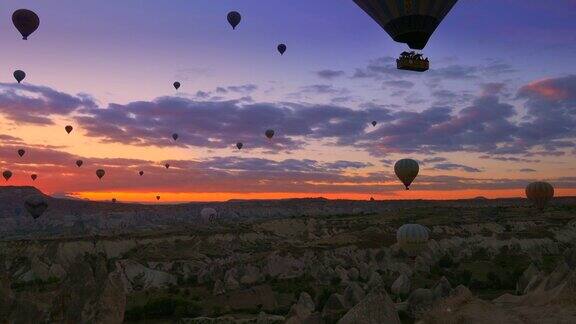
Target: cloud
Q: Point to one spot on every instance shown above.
(330, 74)
(402, 84)
(455, 166)
(323, 89)
(527, 170)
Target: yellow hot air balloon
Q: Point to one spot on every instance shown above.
(406, 170)
(540, 193)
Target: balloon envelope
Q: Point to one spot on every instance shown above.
(540, 193)
(167, 165)
(141, 173)
(408, 21)
(269, 133)
(157, 197)
(175, 136)
(100, 173)
(374, 123)
(208, 214)
(406, 170)
(177, 85)
(36, 206)
(69, 129)
(21, 152)
(234, 18)
(239, 145)
(26, 21)
(34, 177)
(412, 238)
(282, 49)
(7, 174)
(79, 163)
(19, 75)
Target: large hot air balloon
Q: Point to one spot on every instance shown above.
(7, 175)
(234, 18)
(408, 21)
(69, 129)
(26, 21)
(269, 133)
(239, 145)
(79, 163)
(141, 173)
(282, 49)
(175, 136)
(412, 238)
(177, 85)
(406, 170)
(36, 205)
(19, 75)
(21, 152)
(34, 177)
(374, 123)
(540, 193)
(100, 173)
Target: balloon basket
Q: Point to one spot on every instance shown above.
(411, 62)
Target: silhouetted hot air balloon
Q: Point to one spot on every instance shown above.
(7, 175)
(26, 21)
(79, 163)
(114, 200)
(175, 136)
(371, 198)
(406, 170)
(157, 197)
(239, 145)
(177, 85)
(282, 49)
(540, 193)
(208, 215)
(374, 123)
(167, 165)
(234, 18)
(21, 152)
(408, 21)
(269, 133)
(69, 129)
(19, 75)
(100, 173)
(141, 173)
(36, 205)
(412, 238)
(34, 177)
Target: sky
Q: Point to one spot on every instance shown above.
(496, 110)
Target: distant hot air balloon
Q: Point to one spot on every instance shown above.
(157, 197)
(167, 165)
(408, 21)
(26, 21)
(34, 177)
(141, 173)
(7, 175)
(100, 173)
(269, 133)
(21, 152)
(79, 163)
(239, 145)
(177, 85)
(540, 193)
(372, 199)
(282, 49)
(234, 18)
(412, 238)
(374, 123)
(175, 136)
(406, 170)
(36, 205)
(208, 215)
(113, 200)
(69, 129)
(19, 75)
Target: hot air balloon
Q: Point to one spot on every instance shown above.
(374, 123)
(269, 133)
(157, 197)
(36, 205)
(408, 21)
(26, 21)
(406, 170)
(175, 136)
(69, 129)
(540, 193)
(21, 152)
(19, 75)
(34, 177)
(282, 49)
(208, 215)
(114, 200)
(372, 199)
(7, 174)
(79, 163)
(234, 18)
(177, 85)
(141, 173)
(100, 173)
(412, 238)
(167, 165)
(239, 145)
